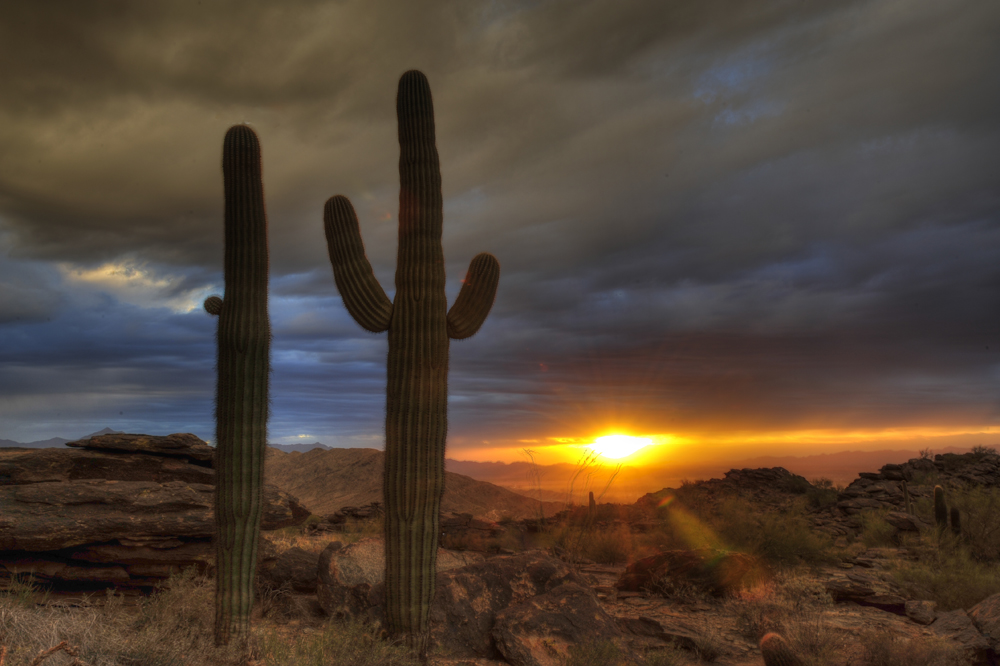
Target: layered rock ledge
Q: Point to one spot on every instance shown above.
(115, 509)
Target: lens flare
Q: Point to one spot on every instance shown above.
(619, 446)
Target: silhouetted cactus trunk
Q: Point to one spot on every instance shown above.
(419, 326)
(956, 521)
(940, 508)
(241, 405)
(776, 652)
(907, 503)
(591, 507)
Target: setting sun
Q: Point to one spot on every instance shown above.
(619, 446)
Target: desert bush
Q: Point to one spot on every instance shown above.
(173, 627)
(778, 538)
(609, 547)
(947, 574)
(875, 530)
(795, 484)
(350, 643)
(759, 610)
(815, 641)
(982, 451)
(608, 653)
(883, 648)
(614, 546)
(822, 493)
(980, 528)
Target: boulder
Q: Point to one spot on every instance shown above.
(712, 571)
(469, 599)
(986, 616)
(921, 612)
(296, 567)
(540, 630)
(905, 522)
(957, 628)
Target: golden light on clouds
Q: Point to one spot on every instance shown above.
(136, 283)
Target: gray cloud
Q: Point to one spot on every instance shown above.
(709, 214)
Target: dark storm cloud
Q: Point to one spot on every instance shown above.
(708, 213)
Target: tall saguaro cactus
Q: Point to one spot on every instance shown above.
(241, 404)
(419, 326)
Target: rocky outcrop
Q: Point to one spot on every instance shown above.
(540, 630)
(957, 628)
(115, 509)
(508, 605)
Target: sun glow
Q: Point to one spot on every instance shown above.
(619, 446)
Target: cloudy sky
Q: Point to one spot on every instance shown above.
(734, 227)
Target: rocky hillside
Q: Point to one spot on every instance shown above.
(327, 480)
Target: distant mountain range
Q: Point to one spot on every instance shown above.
(565, 482)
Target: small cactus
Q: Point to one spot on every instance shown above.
(940, 508)
(776, 652)
(241, 405)
(956, 521)
(907, 502)
(592, 507)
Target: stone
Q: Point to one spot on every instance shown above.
(712, 571)
(986, 616)
(905, 522)
(957, 628)
(845, 589)
(347, 575)
(296, 567)
(921, 612)
(540, 630)
(891, 603)
(665, 631)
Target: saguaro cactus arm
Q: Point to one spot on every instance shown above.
(476, 297)
(363, 296)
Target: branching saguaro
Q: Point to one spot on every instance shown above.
(241, 402)
(419, 326)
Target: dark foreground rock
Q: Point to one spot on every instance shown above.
(507, 606)
(540, 630)
(123, 510)
(957, 628)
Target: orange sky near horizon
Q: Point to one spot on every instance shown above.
(706, 448)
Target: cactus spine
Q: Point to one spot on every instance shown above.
(419, 326)
(241, 404)
(776, 652)
(956, 521)
(940, 508)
